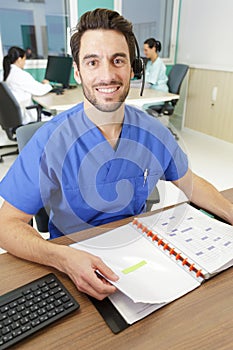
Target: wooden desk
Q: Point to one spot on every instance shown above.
(200, 320)
(71, 97)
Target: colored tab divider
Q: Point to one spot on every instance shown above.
(134, 267)
(206, 213)
(165, 246)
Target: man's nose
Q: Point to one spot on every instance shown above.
(107, 70)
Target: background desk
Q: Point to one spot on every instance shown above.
(71, 97)
(200, 320)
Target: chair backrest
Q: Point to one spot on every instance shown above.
(10, 112)
(23, 134)
(176, 77)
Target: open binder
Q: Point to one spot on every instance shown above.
(159, 258)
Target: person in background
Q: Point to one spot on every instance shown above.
(21, 83)
(155, 68)
(29, 54)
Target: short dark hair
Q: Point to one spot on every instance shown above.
(102, 19)
(13, 54)
(152, 42)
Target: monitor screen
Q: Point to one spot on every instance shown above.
(58, 70)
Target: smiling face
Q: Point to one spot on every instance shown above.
(104, 69)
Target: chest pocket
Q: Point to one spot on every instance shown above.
(144, 185)
(116, 189)
(111, 199)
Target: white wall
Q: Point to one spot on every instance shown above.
(206, 34)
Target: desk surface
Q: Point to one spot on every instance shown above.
(200, 320)
(71, 97)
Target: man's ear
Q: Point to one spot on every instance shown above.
(76, 73)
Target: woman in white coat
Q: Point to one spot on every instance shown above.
(21, 83)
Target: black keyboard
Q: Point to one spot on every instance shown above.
(57, 90)
(35, 305)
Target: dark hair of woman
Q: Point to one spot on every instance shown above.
(151, 42)
(13, 54)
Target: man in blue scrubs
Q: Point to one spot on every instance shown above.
(96, 162)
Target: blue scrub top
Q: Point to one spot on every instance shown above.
(69, 167)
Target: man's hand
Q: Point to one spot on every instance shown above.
(20, 239)
(45, 81)
(81, 267)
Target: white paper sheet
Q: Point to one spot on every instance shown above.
(131, 311)
(145, 274)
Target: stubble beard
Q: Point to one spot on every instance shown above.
(107, 106)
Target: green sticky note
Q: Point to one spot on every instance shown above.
(134, 267)
(206, 213)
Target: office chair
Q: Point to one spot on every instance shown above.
(152, 199)
(175, 79)
(23, 134)
(11, 116)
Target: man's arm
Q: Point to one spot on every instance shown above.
(21, 240)
(205, 195)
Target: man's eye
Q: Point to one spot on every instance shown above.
(92, 63)
(118, 61)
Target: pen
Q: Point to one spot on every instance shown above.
(146, 172)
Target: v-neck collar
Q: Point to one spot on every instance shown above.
(101, 138)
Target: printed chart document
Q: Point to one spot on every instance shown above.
(204, 240)
(162, 257)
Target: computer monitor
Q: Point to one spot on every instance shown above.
(58, 70)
